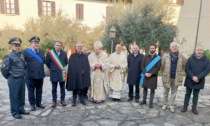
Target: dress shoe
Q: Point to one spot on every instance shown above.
(24, 113)
(54, 104)
(17, 116)
(184, 109)
(137, 100)
(40, 106)
(86, 97)
(33, 108)
(164, 107)
(150, 105)
(73, 104)
(143, 102)
(171, 108)
(63, 103)
(83, 102)
(129, 99)
(195, 111)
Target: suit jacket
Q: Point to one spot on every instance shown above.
(55, 72)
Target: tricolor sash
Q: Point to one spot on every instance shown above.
(58, 62)
(148, 68)
(31, 52)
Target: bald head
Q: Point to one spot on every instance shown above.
(79, 47)
(135, 49)
(118, 48)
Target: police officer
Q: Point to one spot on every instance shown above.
(56, 61)
(13, 69)
(34, 58)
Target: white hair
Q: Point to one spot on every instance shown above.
(174, 43)
(199, 46)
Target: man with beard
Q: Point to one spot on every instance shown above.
(150, 66)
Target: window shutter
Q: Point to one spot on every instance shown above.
(180, 2)
(77, 11)
(81, 11)
(2, 7)
(53, 8)
(17, 7)
(40, 7)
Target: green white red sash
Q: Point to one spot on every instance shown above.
(58, 62)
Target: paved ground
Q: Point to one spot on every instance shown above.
(111, 113)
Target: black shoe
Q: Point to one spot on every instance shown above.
(40, 106)
(33, 108)
(143, 102)
(24, 113)
(86, 97)
(130, 99)
(137, 100)
(83, 102)
(151, 105)
(17, 116)
(73, 104)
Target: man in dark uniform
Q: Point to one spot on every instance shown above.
(56, 61)
(78, 74)
(34, 58)
(134, 71)
(13, 69)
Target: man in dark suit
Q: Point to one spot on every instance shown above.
(56, 61)
(78, 74)
(13, 69)
(134, 71)
(34, 58)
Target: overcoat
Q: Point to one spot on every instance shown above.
(78, 76)
(150, 82)
(134, 68)
(196, 67)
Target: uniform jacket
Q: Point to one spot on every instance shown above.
(34, 68)
(13, 65)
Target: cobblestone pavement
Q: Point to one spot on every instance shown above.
(110, 113)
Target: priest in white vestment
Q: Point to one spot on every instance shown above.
(98, 64)
(117, 67)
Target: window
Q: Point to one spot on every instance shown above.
(46, 8)
(180, 2)
(79, 11)
(9, 7)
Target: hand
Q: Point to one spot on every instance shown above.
(97, 65)
(195, 79)
(117, 66)
(148, 75)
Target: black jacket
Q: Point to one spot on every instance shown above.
(34, 68)
(78, 76)
(13, 65)
(134, 68)
(199, 68)
(55, 72)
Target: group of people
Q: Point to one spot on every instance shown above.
(94, 76)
